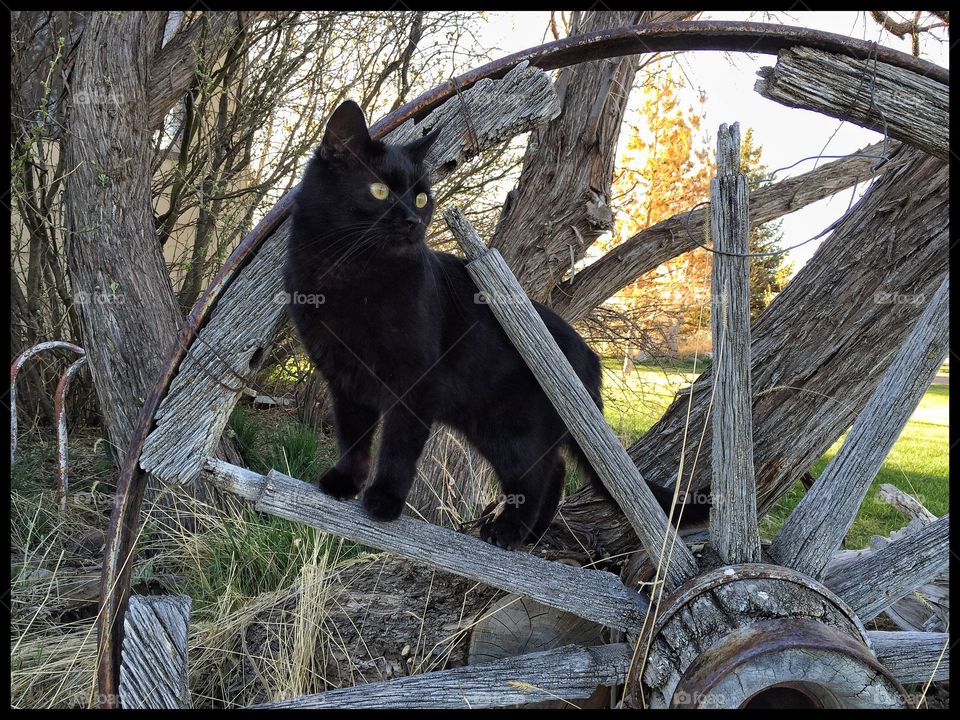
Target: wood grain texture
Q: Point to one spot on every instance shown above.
(819, 523)
(585, 421)
(592, 594)
(516, 625)
(223, 359)
(913, 657)
(877, 96)
(120, 285)
(876, 580)
(561, 202)
(733, 512)
(569, 672)
(228, 350)
(905, 503)
(926, 608)
(153, 668)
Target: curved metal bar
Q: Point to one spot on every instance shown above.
(655, 37)
(59, 404)
(687, 35)
(18, 363)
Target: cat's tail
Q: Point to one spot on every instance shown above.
(692, 512)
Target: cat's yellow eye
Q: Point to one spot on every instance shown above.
(421, 200)
(379, 191)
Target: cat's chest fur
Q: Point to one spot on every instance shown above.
(373, 330)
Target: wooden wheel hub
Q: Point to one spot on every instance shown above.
(757, 635)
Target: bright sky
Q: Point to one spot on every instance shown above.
(727, 79)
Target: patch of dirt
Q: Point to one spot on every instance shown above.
(382, 623)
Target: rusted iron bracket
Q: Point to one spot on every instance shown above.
(59, 407)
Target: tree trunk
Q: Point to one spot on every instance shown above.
(121, 287)
(669, 238)
(561, 203)
(819, 350)
(120, 284)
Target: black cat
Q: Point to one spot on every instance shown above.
(399, 331)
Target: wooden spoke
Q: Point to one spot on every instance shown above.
(592, 594)
(820, 522)
(733, 514)
(913, 657)
(585, 421)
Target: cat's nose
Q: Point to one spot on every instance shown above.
(413, 220)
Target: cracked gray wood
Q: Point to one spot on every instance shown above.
(586, 423)
(913, 657)
(153, 666)
(905, 503)
(733, 511)
(875, 580)
(908, 106)
(569, 672)
(819, 523)
(227, 352)
(596, 595)
(516, 625)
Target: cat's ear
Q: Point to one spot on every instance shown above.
(419, 148)
(346, 135)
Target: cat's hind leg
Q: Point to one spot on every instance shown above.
(528, 480)
(551, 499)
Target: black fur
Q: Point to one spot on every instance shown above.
(399, 332)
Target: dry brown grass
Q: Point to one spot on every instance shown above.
(279, 610)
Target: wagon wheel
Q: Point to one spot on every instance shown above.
(747, 627)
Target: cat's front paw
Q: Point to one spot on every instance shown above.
(382, 506)
(504, 533)
(339, 484)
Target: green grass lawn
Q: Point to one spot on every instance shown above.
(917, 464)
(634, 403)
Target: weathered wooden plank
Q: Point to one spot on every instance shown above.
(153, 667)
(592, 594)
(819, 523)
(733, 512)
(228, 350)
(905, 104)
(913, 657)
(569, 672)
(905, 503)
(876, 580)
(585, 421)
